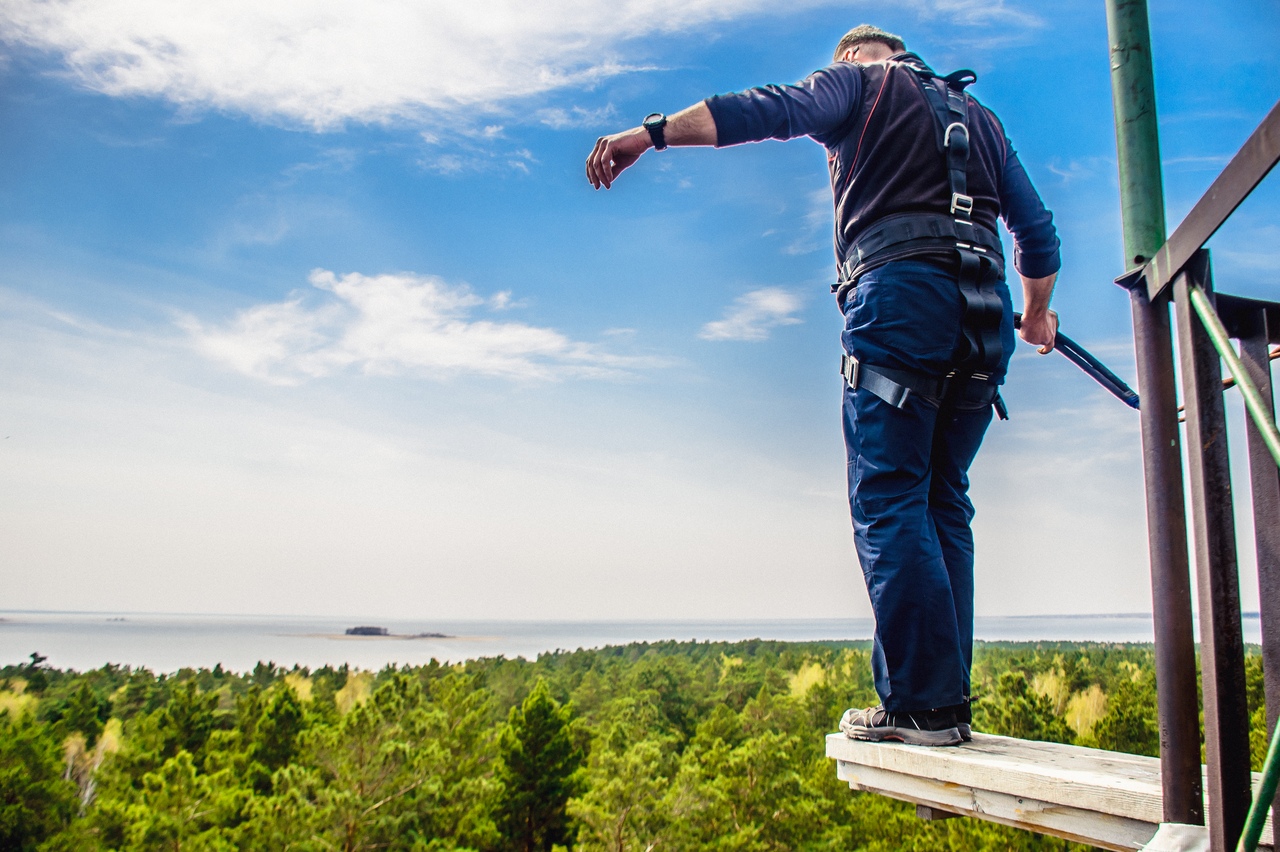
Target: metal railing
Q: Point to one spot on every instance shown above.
(1179, 272)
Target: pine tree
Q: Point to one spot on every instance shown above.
(539, 772)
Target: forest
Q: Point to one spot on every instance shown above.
(644, 747)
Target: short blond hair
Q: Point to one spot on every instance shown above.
(864, 33)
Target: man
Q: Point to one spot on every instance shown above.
(919, 173)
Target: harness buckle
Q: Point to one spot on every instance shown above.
(849, 369)
(955, 125)
(962, 203)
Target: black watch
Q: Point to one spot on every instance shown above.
(654, 122)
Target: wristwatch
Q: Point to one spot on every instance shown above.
(654, 122)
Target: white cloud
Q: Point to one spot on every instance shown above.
(753, 314)
(394, 324)
(324, 62)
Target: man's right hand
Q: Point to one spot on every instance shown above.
(614, 153)
(1040, 329)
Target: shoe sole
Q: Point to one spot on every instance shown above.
(909, 736)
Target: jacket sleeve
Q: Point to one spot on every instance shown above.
(818, 106)
(1035, 239)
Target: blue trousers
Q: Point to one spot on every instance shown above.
(909, 483)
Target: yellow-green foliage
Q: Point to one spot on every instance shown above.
(851, 663)
(727, 664)
(810, 674)
(692, 746)
(301, 685)
(1052, 684)
(15, 700)
(111, 737)
(354, 692)
(1085, 709)
(1134, 670)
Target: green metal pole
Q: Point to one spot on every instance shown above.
(1261, 802)
(1142, 213)
(1253, 401)
(1133, 96)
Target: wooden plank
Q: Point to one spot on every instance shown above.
(1081, 826)
(1121, 784)
(1108, 799)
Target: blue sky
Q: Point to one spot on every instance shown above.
(309, 307)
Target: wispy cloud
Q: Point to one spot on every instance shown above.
(321, 63)
(753, 315)
(983, 12)
(391, 325)
(817, 222)
(468, 151)
(1081, 169)
(576, 117)
(1203, 163)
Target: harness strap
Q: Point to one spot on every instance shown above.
(963, 391)
(982, 308)
(905, 234)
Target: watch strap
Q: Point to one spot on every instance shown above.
(656, 123)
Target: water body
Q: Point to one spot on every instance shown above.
(166, 643)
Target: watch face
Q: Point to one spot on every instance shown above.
(654, 119)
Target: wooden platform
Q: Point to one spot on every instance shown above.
(1103, 798)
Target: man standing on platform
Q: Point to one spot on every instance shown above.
(920, 172)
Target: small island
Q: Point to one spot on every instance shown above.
(367, 631)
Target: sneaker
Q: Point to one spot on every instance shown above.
(923, 727)
(964, 719)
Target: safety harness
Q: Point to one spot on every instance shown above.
(970, 384)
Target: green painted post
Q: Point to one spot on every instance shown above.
(1133, 97)
(1142, 213)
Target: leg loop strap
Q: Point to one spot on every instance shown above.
(964, 391)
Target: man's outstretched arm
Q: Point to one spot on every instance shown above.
(612, 154)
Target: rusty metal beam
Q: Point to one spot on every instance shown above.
(1258, 155)
(1226, 715)
(1175, 651)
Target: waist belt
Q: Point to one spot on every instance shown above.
(906, 234)
(963, 391)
